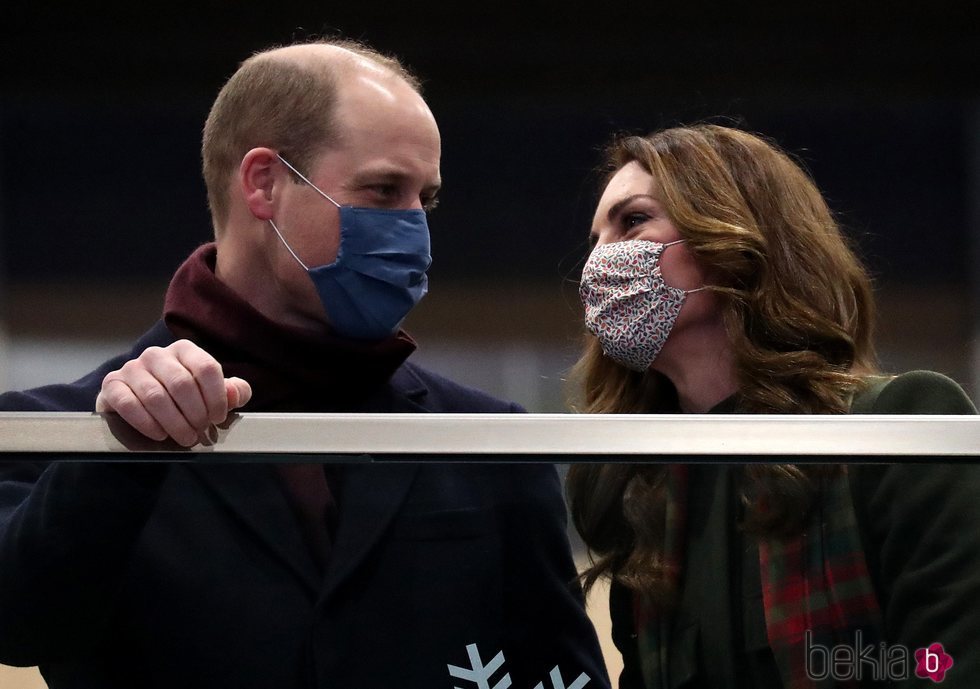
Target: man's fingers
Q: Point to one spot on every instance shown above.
(117, 397)
(238, 392)
(208, 376)
(177, 392)
(178, 382)
(152, 396)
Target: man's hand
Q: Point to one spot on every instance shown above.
(173, 392)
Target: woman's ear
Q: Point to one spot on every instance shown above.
(258, 175)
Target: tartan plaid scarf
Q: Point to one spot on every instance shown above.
(817, 581)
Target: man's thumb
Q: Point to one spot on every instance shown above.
(239, 392)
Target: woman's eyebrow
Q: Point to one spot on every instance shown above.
(619, 205)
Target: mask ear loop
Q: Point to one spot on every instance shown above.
(286, 244)
(318, 190)
(303, 177)
(686, 291)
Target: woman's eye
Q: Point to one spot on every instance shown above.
(633, 219)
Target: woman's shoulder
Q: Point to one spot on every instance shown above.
(915, 392)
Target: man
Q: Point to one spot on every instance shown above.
(318, 158)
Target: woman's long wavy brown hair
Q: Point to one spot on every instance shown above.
(799, 312)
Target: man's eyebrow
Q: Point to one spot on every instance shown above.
(381, 175)
(391, 176)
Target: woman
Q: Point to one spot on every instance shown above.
(720, 283)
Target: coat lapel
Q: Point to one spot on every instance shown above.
(715, 543)
(372, 494)
(369, 500)
(252, 493)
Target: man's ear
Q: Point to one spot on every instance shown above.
(258, 175)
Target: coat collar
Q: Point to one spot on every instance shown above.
(371, 496)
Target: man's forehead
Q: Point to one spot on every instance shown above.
(383, 122)
(370, 92)
(372, 86)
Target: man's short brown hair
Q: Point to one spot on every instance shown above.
(281, 103)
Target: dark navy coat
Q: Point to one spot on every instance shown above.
(196, 574)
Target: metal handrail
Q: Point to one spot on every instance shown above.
(503, 437)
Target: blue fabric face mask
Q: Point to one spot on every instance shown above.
(379, 272)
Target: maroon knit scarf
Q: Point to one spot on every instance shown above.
(289, 370)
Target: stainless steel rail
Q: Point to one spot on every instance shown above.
(497, 437)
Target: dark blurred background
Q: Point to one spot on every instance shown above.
(101, 107)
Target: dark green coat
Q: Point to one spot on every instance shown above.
(921, 526)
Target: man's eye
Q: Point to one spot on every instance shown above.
(385, 190)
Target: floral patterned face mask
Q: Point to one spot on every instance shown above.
(628, 306)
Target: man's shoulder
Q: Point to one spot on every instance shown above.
(80, 395)
(444, 395)
(76, 396)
